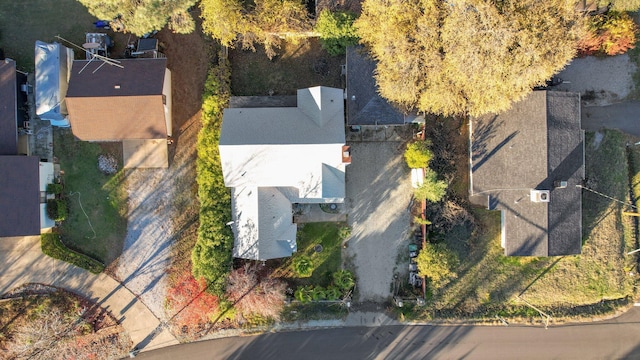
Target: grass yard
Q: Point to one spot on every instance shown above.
(103, 199)
(325, 263)
(488, 283)
(601, 272)
(294, 68)
(24, 22)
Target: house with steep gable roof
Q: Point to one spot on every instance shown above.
(274, 157)
(129, 103)
(528, 163)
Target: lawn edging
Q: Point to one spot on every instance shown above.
(211, 255)
(52, 246)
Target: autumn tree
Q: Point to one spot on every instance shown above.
(143, 16)
(437, 263)
(612, 33)
(621, 5)
(466, 56)
(264, 22)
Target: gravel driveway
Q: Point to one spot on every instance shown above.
(147, 246)
(610, 79)
(378, 196)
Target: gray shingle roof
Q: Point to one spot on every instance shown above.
(8, 110)
(530, 146)
(364, 105)
(19, 196)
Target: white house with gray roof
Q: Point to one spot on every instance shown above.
(273, 157)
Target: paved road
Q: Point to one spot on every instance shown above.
(22, 262)
(623, 116)
(613, 339)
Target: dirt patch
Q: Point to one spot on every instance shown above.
(43, 321)
(298, 65)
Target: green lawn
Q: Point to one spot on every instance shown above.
(24, 22)
(103, 199)
(489, 283)
(325, 263)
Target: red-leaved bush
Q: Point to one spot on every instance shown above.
(188, 302)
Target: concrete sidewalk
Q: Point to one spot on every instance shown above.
(22, 262)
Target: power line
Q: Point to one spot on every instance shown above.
(607, 196)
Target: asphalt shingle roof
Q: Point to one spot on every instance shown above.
(19, 196)
(113, 103)
(364, 105)
(537, 142)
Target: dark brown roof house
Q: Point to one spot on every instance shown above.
(129, 101)
(528, 163)
(24, 178)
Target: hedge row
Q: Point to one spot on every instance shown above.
(211, 256)
(52, 246)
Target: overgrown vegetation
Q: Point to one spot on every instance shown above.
(211, 256)
(467, 57)
(336, 31)
(254, 296)
(341, 286)
(52, 246)
(300, 64)
(96, 223)
(144, 16)
(611, 33)
(264, 22)
(58, 325)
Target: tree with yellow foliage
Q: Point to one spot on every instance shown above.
(467, 57)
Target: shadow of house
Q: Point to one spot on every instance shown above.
(364, 105)
(24, 178)
(529, 168)
(128, 102)
(273, 157)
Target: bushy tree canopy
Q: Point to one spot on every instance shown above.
(263, 22)
(143, 16)
(336, 31)
(621, 5)
(437, 263)
(418, 154)
(431, 189)
(467, 56)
